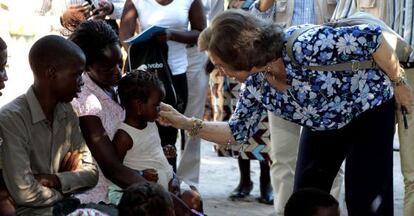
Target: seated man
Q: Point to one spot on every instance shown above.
(44, 156)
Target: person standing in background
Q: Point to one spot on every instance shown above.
(197, 80)
(285, 135)
(403, 25)
(398, 14)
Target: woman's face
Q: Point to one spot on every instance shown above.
(224, 68)
(107, 70)
(3, 65)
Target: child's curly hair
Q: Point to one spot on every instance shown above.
(138, 84)
(144, 199)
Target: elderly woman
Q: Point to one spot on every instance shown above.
(346, 114)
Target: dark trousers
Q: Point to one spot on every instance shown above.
(367, 145)
(168, 135)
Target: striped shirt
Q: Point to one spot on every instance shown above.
(398, 14)
(303, 12)
(403, 21)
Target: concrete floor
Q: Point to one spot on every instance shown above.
(219, 176)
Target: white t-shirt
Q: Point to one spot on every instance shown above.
(173, 16)
(146, 152)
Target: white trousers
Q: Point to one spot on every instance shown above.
(188, 168)
(406, 137)
(284, 137)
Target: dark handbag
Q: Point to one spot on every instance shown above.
(153, 55)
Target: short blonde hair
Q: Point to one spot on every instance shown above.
(241, 40)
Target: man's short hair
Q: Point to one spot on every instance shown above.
(52, 51)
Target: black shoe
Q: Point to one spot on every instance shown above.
(241, 192)
(265, 200)
(266, 195)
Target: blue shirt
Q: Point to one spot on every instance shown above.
(303, 12)
(321, 100)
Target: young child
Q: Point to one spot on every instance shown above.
(311, 202)
(146, 199)
(137, 142)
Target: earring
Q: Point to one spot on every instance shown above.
(268, 70)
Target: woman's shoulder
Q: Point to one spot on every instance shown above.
(86, 104)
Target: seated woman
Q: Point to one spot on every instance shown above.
(346, 113)
(97, 104)
(137, 141)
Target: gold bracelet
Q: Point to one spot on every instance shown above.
(399, 80)
(197, 125)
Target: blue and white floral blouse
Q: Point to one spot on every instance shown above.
(321, 100)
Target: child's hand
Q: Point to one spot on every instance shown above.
(150, 175)
(174, 186)
(170, 151)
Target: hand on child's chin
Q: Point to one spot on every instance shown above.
(164, 121)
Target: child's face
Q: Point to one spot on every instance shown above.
(3, 65)
(328, 211)
(151, 108)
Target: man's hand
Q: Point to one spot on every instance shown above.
(150, 175)
(105, 8)
(75, 15)
(71, 162)
(48, 180)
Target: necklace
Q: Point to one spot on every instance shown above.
(266, 73)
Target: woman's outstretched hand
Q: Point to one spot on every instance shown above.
(171, 117)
